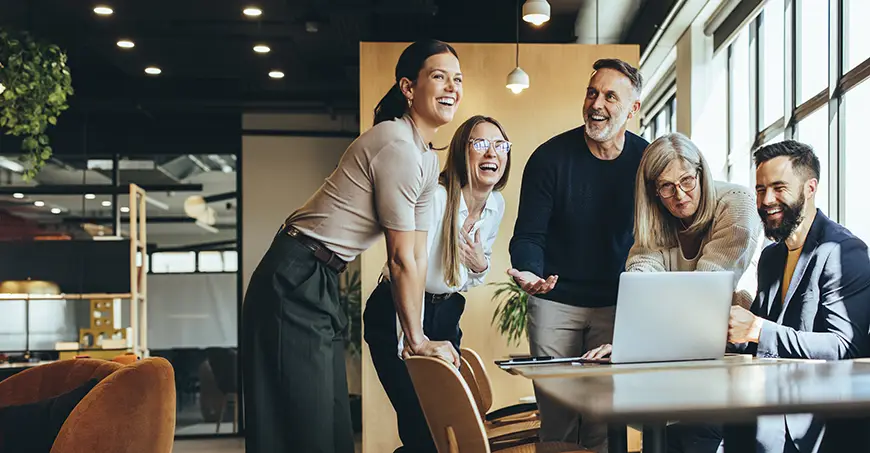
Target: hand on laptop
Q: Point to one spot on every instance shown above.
(531, 283)
(599, 352)
(743, 327)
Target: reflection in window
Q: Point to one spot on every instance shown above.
(813, 131)
(231, 261)
(857, 216)
(211, 262)
(773, 69)
(173, 262)
(856, 45)
(813, 46)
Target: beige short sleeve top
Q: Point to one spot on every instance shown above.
(385, 179)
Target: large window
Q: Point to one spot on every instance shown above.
(185, 262)
(812, 37)
(814, 132)
(857, 216)
(856, 45)
(661, 122)
(740, 119)
(772, 32)
(783, 91)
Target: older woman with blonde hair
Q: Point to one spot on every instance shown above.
(687, 221)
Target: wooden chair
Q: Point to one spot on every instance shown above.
(483, 395)
(502, 432)
(452, 415)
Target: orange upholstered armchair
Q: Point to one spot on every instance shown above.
(131, 409)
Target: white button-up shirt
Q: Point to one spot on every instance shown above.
(488, 224)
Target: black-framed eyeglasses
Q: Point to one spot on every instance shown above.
(686, 184)
(481, 145)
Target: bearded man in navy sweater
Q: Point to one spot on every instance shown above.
(573, 232)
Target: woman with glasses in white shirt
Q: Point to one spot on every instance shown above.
(466, 212)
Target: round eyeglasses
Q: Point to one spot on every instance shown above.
(686, 184)
(481, 145)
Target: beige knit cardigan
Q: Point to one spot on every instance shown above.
(732, 243)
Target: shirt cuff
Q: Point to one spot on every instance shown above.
(767, 339)
(478, 275)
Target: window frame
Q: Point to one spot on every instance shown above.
(794, 113)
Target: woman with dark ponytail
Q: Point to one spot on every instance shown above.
(293, 326)
(467, 211)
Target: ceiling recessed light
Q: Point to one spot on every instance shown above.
(125, 209)
(18, 195)
(103, 10)
(38, 203)
(153, 70)
(90, 196)
(106, 203)
(55, 210)
(261, 48)
(252, 11)
(276, 74)
(126, 44)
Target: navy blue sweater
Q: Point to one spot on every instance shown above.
(576, 217)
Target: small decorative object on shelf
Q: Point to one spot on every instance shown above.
(105, 326)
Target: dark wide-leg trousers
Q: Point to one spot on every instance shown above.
(296, 397)
(440, 323)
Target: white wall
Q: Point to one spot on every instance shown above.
(702, 97)
(278, 175)
(192, 311)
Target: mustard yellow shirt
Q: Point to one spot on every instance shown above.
(790, 264)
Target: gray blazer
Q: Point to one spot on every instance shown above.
(825, 315)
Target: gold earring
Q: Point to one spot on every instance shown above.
(410, 101)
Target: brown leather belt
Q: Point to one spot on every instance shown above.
(434, 298)
(323, 254)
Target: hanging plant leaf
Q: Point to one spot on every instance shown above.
(35, 85)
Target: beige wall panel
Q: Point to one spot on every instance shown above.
(559, 74)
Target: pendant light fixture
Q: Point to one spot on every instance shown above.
(518, 80)
(536, 11)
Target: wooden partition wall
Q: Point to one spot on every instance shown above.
(553, 103)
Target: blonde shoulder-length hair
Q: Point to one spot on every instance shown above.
(654, 226)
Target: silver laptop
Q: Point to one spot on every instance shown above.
(671, 316)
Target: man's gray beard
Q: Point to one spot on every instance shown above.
(608, 132)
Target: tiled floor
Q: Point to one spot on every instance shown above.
(226, 445)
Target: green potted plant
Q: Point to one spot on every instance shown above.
(350, 298)
(35, 83)
(510, 314)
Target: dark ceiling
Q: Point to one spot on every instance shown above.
(211, 75)
(204, 47)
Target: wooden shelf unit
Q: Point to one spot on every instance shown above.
(138, 276)
(138, 279)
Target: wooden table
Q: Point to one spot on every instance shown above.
(733, 391)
